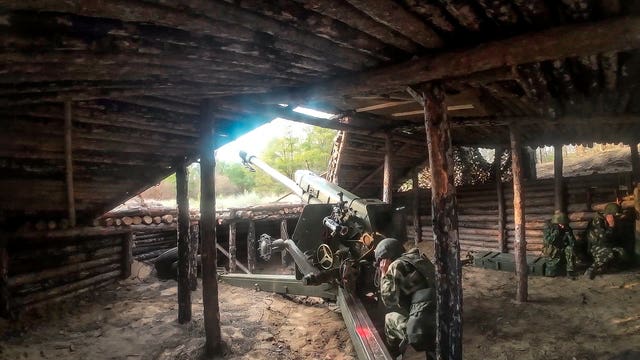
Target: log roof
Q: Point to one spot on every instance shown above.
(137, 72)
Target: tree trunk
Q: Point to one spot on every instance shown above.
(445, 227)
(68, 156)
(208, 232)
(184, 242)
(387, 178)
(502, 239)
(558, 181)
(520, 244)
(251, 247)
(232, 247)
(416, 207)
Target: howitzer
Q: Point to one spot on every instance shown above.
(334, 239)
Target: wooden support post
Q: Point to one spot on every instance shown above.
(232, 247)
(251, 247)
(5, 299)
(387, 178)
(635, 162)
(558, 181)
(417, 227)
(445, 226)
(502, 235)
(194, 237)
(127, 254)
(208, 231)
(68, 157)
(636, 195)
(184, 242)
(518, 215)
(284, 234)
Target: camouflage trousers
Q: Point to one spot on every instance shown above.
(559, 256)
(604, 257)
(395, 328)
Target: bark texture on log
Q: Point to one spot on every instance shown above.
(184, 243)
(232, 247)
(208, 231)
(520, 243)
(194, 237)
(284, 234)
(445, 226)
(387, 178)
(68, 156)
(416, 207)
(251, 247)
(502, 241)
(558, 182)
(635, 162)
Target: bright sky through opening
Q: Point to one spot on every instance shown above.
(256, 140)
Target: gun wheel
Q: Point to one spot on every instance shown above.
(324, 256)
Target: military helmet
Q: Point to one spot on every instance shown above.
(388, 248)
(560, 218)
(611, 209)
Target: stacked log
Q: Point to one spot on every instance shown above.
(150, 241)
(49, 266)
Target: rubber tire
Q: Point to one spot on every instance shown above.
(167, 264)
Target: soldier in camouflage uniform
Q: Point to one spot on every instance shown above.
(407, 290)
(605, 241)
(559, 243)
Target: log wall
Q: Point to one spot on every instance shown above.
(478, 209)
(46, 267)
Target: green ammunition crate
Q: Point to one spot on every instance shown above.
(506, 262)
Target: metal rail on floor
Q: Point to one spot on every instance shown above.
(366, 340)
(281, 284)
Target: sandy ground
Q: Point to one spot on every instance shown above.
(566, 319)
(596, 162)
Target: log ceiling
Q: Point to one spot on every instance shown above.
(137, 71)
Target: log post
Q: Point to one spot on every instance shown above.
(635, 162)
(518, 215)
(208, 231)
(68, 157)
(194, 237)
(251, 247)
(284, 234)
(417, 227)
(232, 247)
(445, 226)
(502, 236)
(5, 299)
(127, 254)
(387, 178)
(558, 181)
(636, 195)
(184, 242)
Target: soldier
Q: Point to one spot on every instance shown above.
(407, 287)
(605, 241)
(559, 243)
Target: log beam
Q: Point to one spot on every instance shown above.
(520, 244)
(417, 228)
(184, 242)
(636, 195)
(194, 237)
(5, 298)
(635, 162)
(232, 247)
(445, 226)
(387, 177)
(68, 158)
(284, 234)
(502, 236)
(558, 181)
(251, 247)
(127, 254)
(618, 34)
(208, 231)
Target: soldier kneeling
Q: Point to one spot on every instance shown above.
(606, 241)
(407, 288)
(559, 243)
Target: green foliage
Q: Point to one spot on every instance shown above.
(238, 175)
(289, 153)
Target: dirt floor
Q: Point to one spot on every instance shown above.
(136, 319)
(613, 160)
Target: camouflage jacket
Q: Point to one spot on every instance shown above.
(600, 233)
(556, 237)
(402, 279)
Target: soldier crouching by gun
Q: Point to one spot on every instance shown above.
(559, 244)
(407, 282)
(606, 240)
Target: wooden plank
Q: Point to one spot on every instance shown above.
(387, 175)
(396, 17)
(383, 105)
(445, 226)
(228, 255)
(68, 158)
(208, 231)
(618, 34)
(184, 242)
(520, 242)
